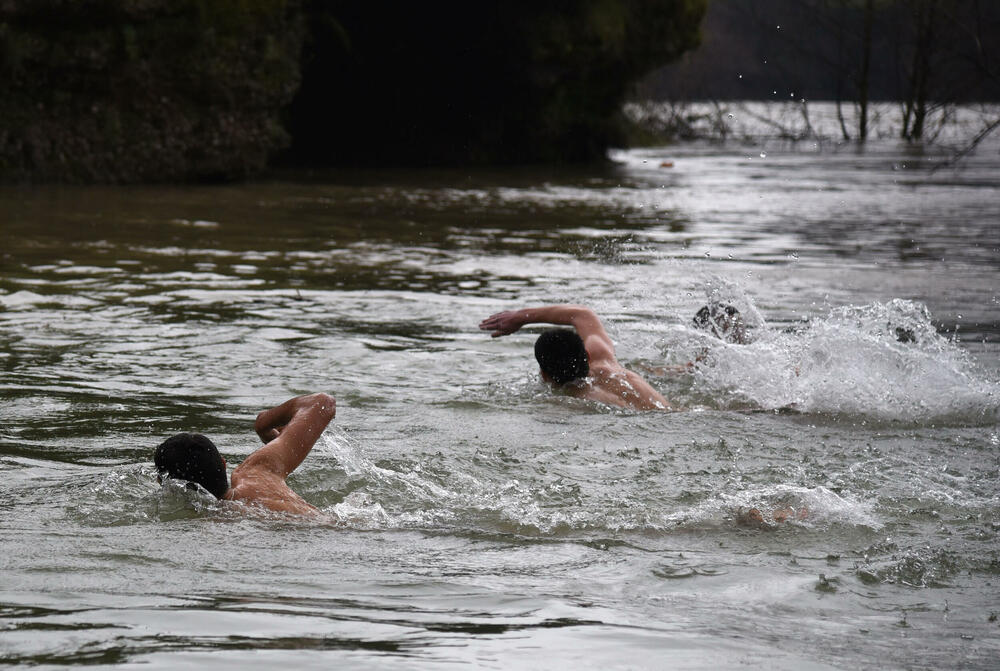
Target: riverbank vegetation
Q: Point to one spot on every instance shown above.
(144, 90)
(168, 90)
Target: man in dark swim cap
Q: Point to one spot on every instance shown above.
(723, 321)
(720, 320)
(289, 432)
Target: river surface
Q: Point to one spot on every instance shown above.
(483, 519)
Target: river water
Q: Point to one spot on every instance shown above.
(484, 519)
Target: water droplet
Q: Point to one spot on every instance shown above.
(730, 115)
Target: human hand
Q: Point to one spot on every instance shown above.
(502, 323)
(267, 435)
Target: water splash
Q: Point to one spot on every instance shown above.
(358, 509)
(352, 459)
(128, 495)
(884, 361)
(474, 494)
(364, 507)
(802, 506)
(916, 567)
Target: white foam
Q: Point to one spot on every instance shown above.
(882, 360)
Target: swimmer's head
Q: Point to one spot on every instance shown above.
(723, 321)
(192, 457)
(561, 355)
(904, 334)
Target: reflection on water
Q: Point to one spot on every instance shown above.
(481, 516)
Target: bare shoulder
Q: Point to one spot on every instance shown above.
(255, 468)
(600, 350)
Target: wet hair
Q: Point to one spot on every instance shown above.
(561, 355)
(192, 457)
(723, 321)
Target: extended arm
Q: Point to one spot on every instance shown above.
(587, 324)
(291, 430)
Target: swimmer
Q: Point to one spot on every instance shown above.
(754, 519)
(581, 361)
(289, 432)
(720, 320)
(903, 334)
(723, 321)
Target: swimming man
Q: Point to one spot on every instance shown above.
(717, 319)
(723, 321)
(581, 361)
(289, 432)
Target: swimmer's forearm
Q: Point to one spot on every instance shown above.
(295, 425)
(579, 317)
(567, 315)
(267, 434)
(269, 423)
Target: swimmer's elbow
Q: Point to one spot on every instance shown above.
(583, 312)
(323, 403)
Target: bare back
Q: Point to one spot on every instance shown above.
(614, 384)
(260, 487)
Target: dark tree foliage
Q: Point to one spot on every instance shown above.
(144, 90)
(458, 82)
(152, 90)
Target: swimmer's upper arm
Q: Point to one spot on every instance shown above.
(303, 420)
(591, 330)
(599, 349)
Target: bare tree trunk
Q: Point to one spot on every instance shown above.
(907, 111)
(809, 132)
(915, 114)
(843, 123)
(839, 74)
(863, 79)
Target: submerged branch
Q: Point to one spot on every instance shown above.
(968, 148)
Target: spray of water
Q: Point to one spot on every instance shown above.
(882, 361)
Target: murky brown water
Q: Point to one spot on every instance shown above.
(485, 520)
